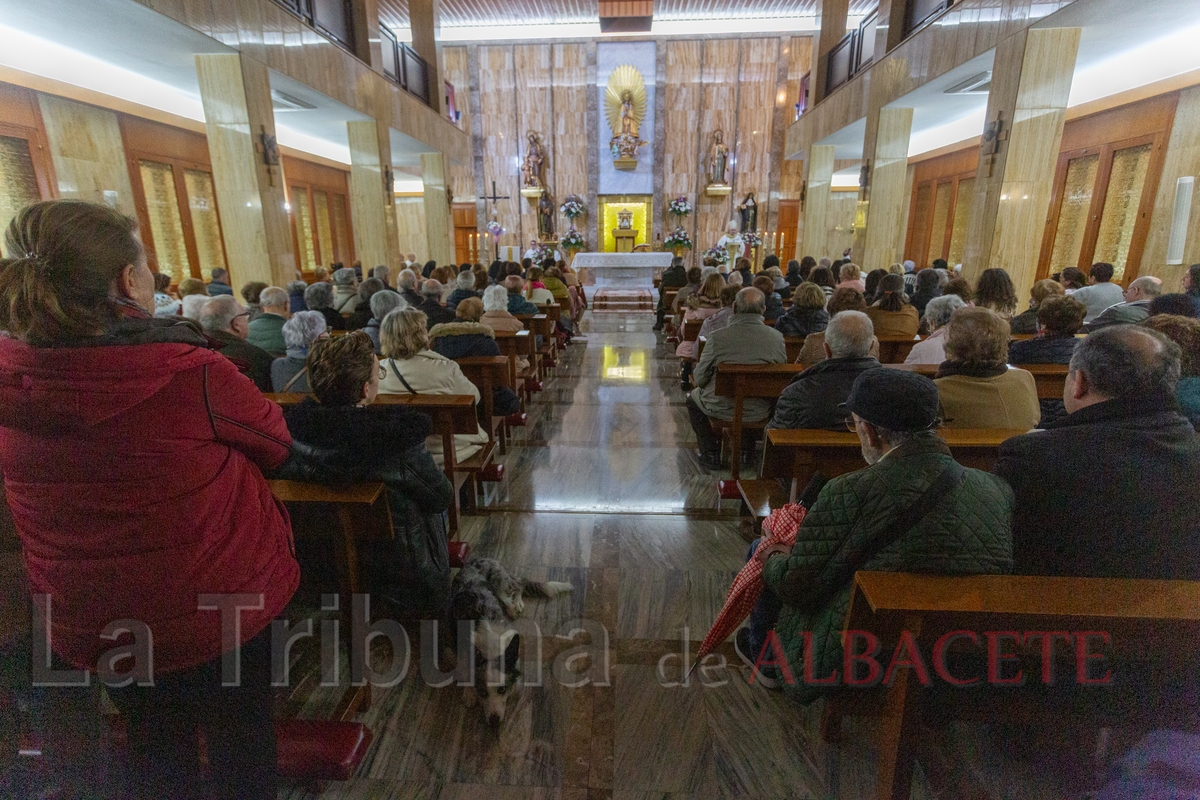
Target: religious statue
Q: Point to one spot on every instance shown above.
(545, 217)
(625, 102)
(748, 209)
(531, 169)
(624, 219)
(718, 158)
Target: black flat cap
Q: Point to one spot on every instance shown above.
(895, 399)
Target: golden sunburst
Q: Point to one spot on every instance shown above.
(624, 78)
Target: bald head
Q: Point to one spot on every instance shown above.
(431, 290)
(750, 301)
(1146, 287)
(849, 335)
(1121, 361)
(222, 314)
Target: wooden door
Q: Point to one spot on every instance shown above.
(465, 239)
(788, 225)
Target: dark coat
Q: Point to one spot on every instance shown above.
(359, 317)
(461, 339)
(217, 289)
(1109, 491)
(811, 400)
(333, 320)
(412, 298)
(798, 321)
(346, 444)
(253, 362)
(747, 276)
(296, 302)
(774, 308)
(1042, 350)
(1024, 323)
(435, 313)
(519, 305)
(458, 295)
(921, 299)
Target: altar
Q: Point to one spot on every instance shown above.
(620, 270)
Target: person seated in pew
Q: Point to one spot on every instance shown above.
(724, 314)
(406, 281)
(165, 304)
(1138, 296)
(700, 306)
(133, 459)
(813, 350)
(977, 387)
(929, 286)
(823, 276)
(288, 374)
(267, 330)
(1184, 332)
(295, 290)
(995, 291)
(745, 340)
(220, 283)
(361, 315)
(341, 438)
(381, 303)
(673, 277)
(345, 290)
(1100, 293)
(554, 282)
(1109, 491)
(871, 281)
(960, 286)
(464, 287)
(251, 293)
(694, 280)
(849, 276)
(1026, 322)
(892, 315)
(807, 314)
(514, 285)
(319, 297)
(466, 337)
(912, 509)
(431, 304)
(774, 303)
(410, 367)
(224, 319)
(1059, 319)
(813, 399)
(932, 349)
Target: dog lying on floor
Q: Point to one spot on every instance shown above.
(486, 593)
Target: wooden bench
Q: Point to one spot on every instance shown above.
(792, 346)
(489, 373)
(743, 381)
(516, 345)
(451, 414)
(540, 325)
(553, 311)
(691, 333)
(1152, 628)
(894, 349)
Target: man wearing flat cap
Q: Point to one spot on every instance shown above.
(913, 509)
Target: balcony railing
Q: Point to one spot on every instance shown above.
(333, 18)
(852, 54)
(402, 65)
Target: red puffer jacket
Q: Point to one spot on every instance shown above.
(134, 473)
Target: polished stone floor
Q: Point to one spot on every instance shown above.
(604, 490)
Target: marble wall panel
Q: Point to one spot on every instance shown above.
(681, 121)
(889, 170)
(439, 224)
(1182, 159)
(410, 225)
(87, 153)
(719, 106)
(462, 178)
(367, 212)
(570, 159)
(535, 112)
(755, 119)
(817, 210)
(498, 129)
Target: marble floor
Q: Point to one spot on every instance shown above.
(604, 490)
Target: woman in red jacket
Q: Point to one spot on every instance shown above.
(133, 458)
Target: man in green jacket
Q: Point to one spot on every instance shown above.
(266, 331)
(913, 509)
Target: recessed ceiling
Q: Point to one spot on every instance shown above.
(393, 14)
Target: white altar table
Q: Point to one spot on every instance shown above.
(620, 270)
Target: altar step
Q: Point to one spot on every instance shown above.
(623, 300)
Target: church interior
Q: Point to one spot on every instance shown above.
(601, 503)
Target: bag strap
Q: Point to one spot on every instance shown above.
(949, 479)
(288, 386)
(396, 372)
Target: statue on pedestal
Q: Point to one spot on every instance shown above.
(748, 209)
(532, 176)
(545, 217)
(718, 159)
(625, 102)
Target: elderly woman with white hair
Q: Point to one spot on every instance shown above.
(410, 367)
(932, 349)
(299, 333)
(382, 303)
(496, 317)
(319, 297)
(464, 287)
(345, 290)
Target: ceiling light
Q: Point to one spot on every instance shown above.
(976, 84)
(282, 101)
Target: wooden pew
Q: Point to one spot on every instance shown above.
(742, 381)
(691, 332)
(540, 325)
(451, 414)
(553, 311)
(488, 373)
(894, 349)
(361, 509)
(515, 345)
(793, 345)
(1152, 628)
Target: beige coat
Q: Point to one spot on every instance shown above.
(902, 324)
(1005, 401)
(430, 373)
(745, 340)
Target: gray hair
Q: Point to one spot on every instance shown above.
(849, 334)
(495, 298)
(274, 297)
(382, 272)
(774, 272)
(432, 289)
(939, 310)
(750, 301)
(407, 279)
(734, 279)
(465, 280)
(677, 261)
(344, 277)
(296, 286)
(319, 295)
(943, 277)
(1150, 285)
(303, 329)
(384, 301)
(191, 305)
(1128, 361)
(825, 262)
(219, 313)
(367, 288)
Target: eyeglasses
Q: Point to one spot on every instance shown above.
(851, 425)
(243, 314)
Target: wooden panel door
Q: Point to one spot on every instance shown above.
(788, 225)
(464, 233)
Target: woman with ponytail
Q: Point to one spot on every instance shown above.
(892, 314)
(133, 459)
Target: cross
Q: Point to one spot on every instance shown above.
(495, 198)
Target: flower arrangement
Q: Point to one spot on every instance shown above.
(572, 239)
(680, 207)
(717, 253)
(678, 238)
(752, 239)
(495, 230)
(540, 252)
(572, 207)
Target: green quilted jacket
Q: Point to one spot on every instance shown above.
(967, 533)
